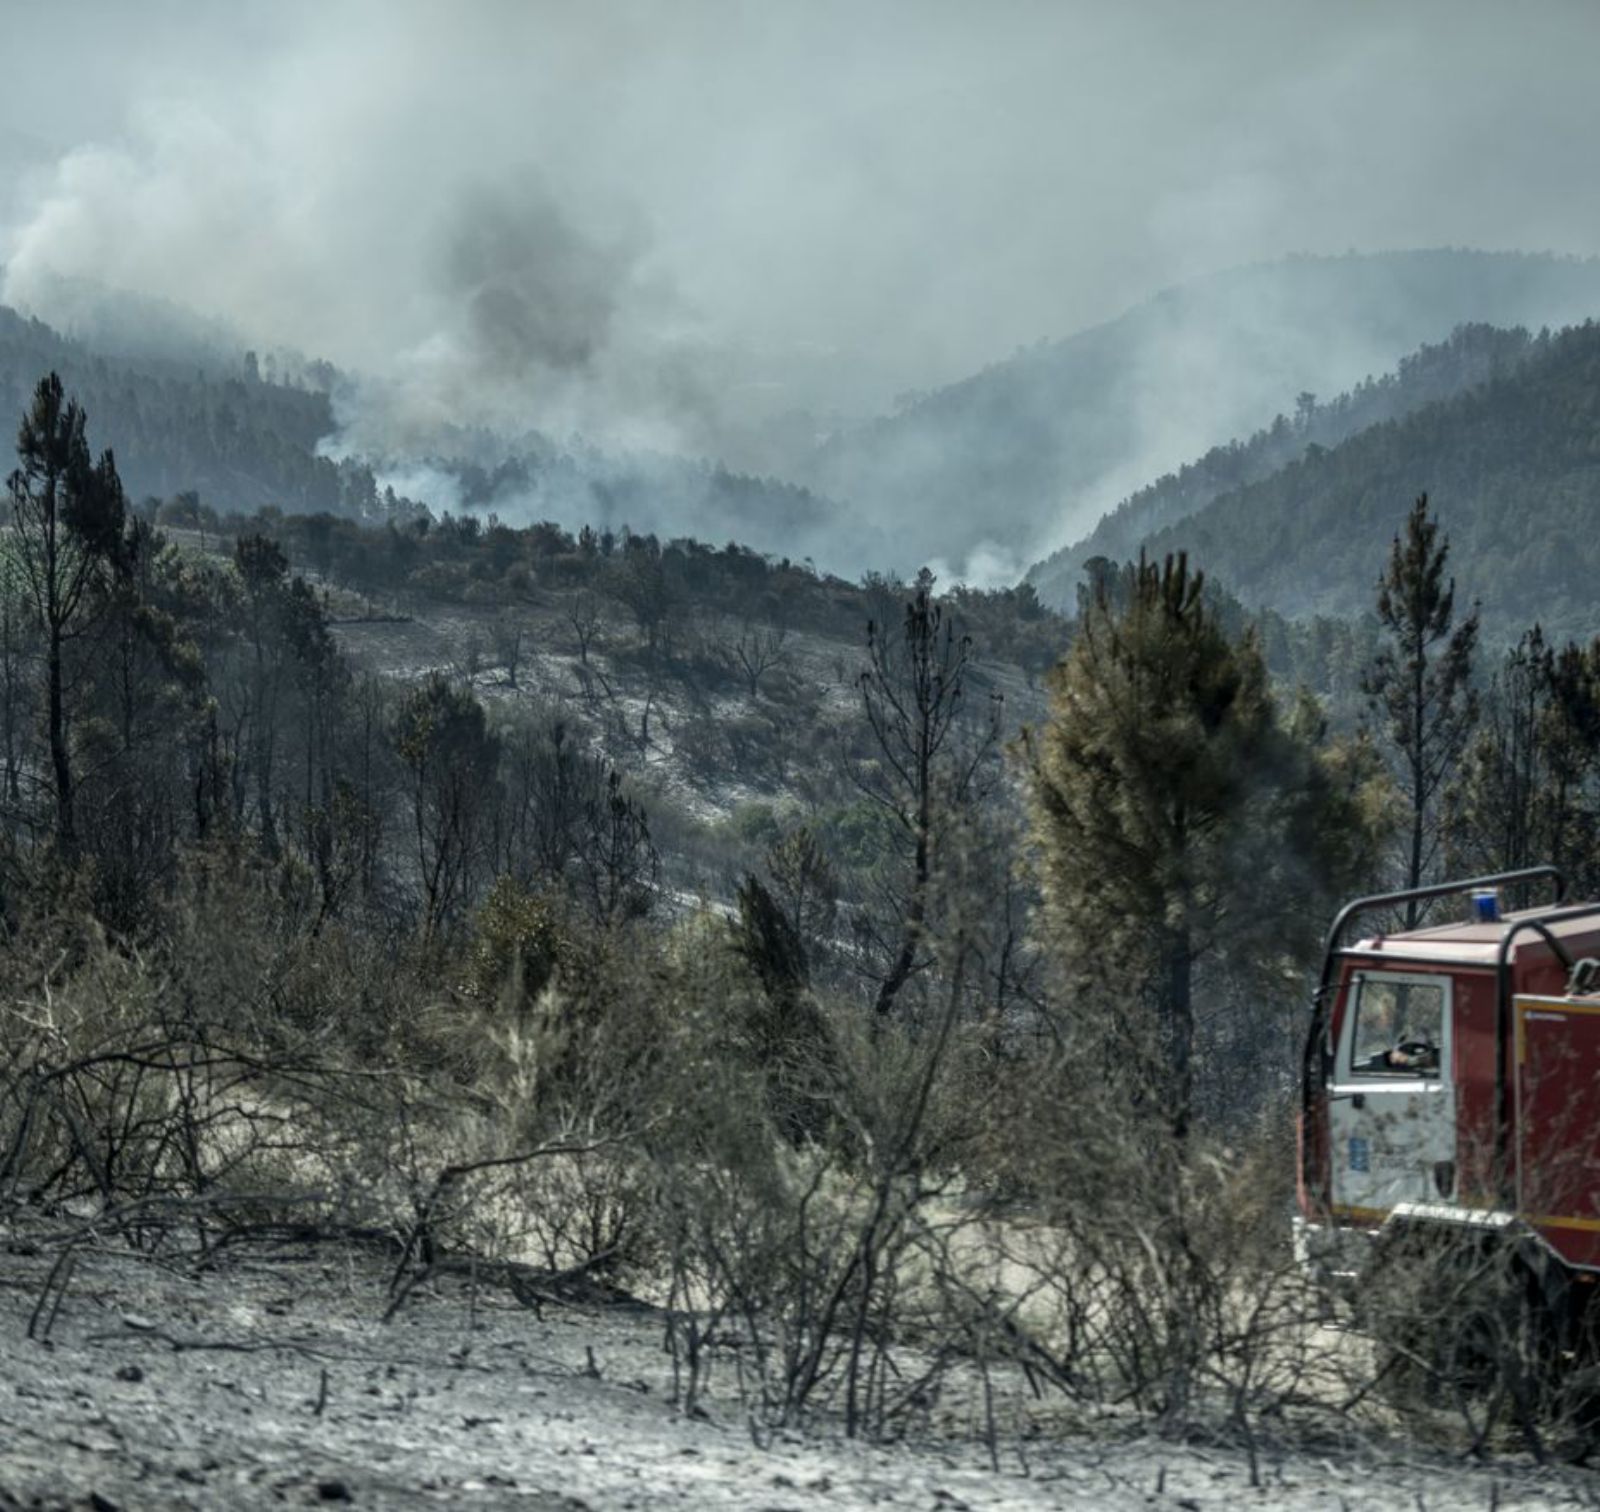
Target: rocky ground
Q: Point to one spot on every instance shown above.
(267, 1378)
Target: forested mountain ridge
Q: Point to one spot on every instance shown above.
(1472, 355)
(1015, 455)
(967, 477)
(1512, 468)
(234, 438)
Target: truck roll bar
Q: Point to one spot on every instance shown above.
(1437, 890)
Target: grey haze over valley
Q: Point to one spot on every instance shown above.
(764, 235)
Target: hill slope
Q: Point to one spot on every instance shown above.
(1473, 355)
(185, 416)
(991, 472)
(1512, 467)
(181, 425)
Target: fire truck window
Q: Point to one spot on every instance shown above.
(1399, 1028)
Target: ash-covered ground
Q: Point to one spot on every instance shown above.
(268, 1378)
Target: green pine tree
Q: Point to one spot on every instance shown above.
(1179, 819)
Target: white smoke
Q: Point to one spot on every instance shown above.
(715, 228)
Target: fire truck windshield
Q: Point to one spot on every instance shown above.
(1399, 1027)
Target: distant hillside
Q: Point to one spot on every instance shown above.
(1512, 468)
(181, 425)
(185, 414)
(1007, 463)
(114, 322)
(532, 479)
(1473, 355)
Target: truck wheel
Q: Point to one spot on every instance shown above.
(1456, 1324)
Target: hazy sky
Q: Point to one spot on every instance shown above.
(796, 200)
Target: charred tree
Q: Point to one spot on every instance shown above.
(1420, 683)
(928, 762)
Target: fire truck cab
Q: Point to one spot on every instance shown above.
(1451, 1082)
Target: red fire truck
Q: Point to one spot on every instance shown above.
(1451, 1088)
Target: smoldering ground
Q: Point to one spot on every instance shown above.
(279, 1386)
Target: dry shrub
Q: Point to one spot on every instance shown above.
(836, 1213)
(809, 1265)
(1128, 1264)
(168, 1078)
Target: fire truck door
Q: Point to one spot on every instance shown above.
(1391, 1108)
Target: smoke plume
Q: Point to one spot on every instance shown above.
(727, 230)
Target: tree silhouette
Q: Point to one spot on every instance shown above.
(68, 512)
(930, 760)
(1420, 682)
